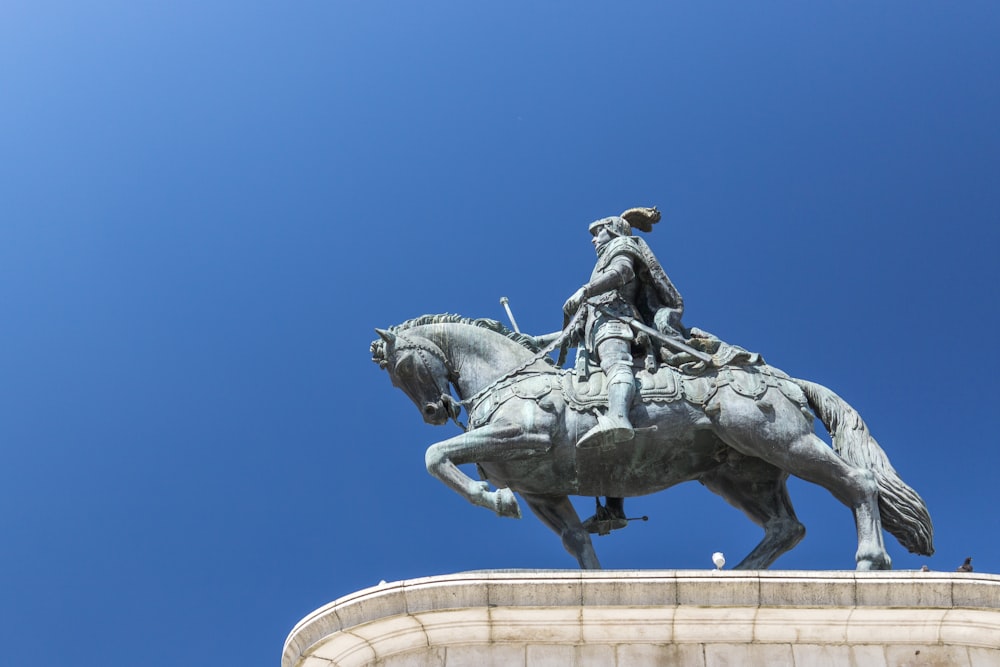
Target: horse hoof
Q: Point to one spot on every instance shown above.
(505, 504)
(874, 564)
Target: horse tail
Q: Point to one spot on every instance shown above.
(904, 513)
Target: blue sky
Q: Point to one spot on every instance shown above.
(206, 208)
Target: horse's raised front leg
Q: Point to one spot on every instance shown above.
(558, 513)
(492, 443)
(758, 489)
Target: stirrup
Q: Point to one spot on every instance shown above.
(606, 433)
(604, 520)
(604, 526)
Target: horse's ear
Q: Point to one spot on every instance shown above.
(387, 336)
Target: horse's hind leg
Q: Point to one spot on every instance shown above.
(812, 460)
(758, 489)
(777, 432)
(558, 513)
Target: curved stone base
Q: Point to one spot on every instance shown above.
(637, 618)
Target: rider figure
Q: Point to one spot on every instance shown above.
(627, 282)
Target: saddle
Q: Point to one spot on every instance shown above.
(585, 392)
(696, 383)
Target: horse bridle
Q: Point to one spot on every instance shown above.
(453, 407)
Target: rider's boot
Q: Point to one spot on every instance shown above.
(607, 517)
(615, 426)
(615, 508)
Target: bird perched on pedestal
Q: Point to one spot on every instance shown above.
(966, 566)
(718, 559)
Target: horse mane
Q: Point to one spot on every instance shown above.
(378, 345)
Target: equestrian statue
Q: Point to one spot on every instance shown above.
(649, 403)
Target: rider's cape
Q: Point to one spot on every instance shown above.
(660, 305)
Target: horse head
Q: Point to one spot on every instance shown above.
(420, 368)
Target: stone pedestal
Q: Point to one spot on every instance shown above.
(638, 618)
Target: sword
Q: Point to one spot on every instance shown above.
(503, 301)
(672, 343)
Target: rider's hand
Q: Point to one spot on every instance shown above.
(573, 303)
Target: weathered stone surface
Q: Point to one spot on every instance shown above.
(658, 618)
(660, 655)
(431, 593)
(497, 655)
(813, 625)
(457, 626)
(431, 657)
(637, 587)
(809, 590)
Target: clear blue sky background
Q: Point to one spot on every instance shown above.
(205, 208)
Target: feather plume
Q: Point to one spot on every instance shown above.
(642, 218)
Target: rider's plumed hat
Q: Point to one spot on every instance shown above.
(642, 218)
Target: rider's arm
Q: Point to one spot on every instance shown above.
(619, 272)
(545, 339)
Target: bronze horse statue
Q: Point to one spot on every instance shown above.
(739, 430)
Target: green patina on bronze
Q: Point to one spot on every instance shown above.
(649, 403)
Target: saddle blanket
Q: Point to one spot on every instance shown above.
(584, 393)
(666, 384)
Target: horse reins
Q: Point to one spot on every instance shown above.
(558, 342)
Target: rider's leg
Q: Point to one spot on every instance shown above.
(621, 391)
(607, 517)
(616, 362)
(615, 507)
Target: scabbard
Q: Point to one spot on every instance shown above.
(658, 336)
